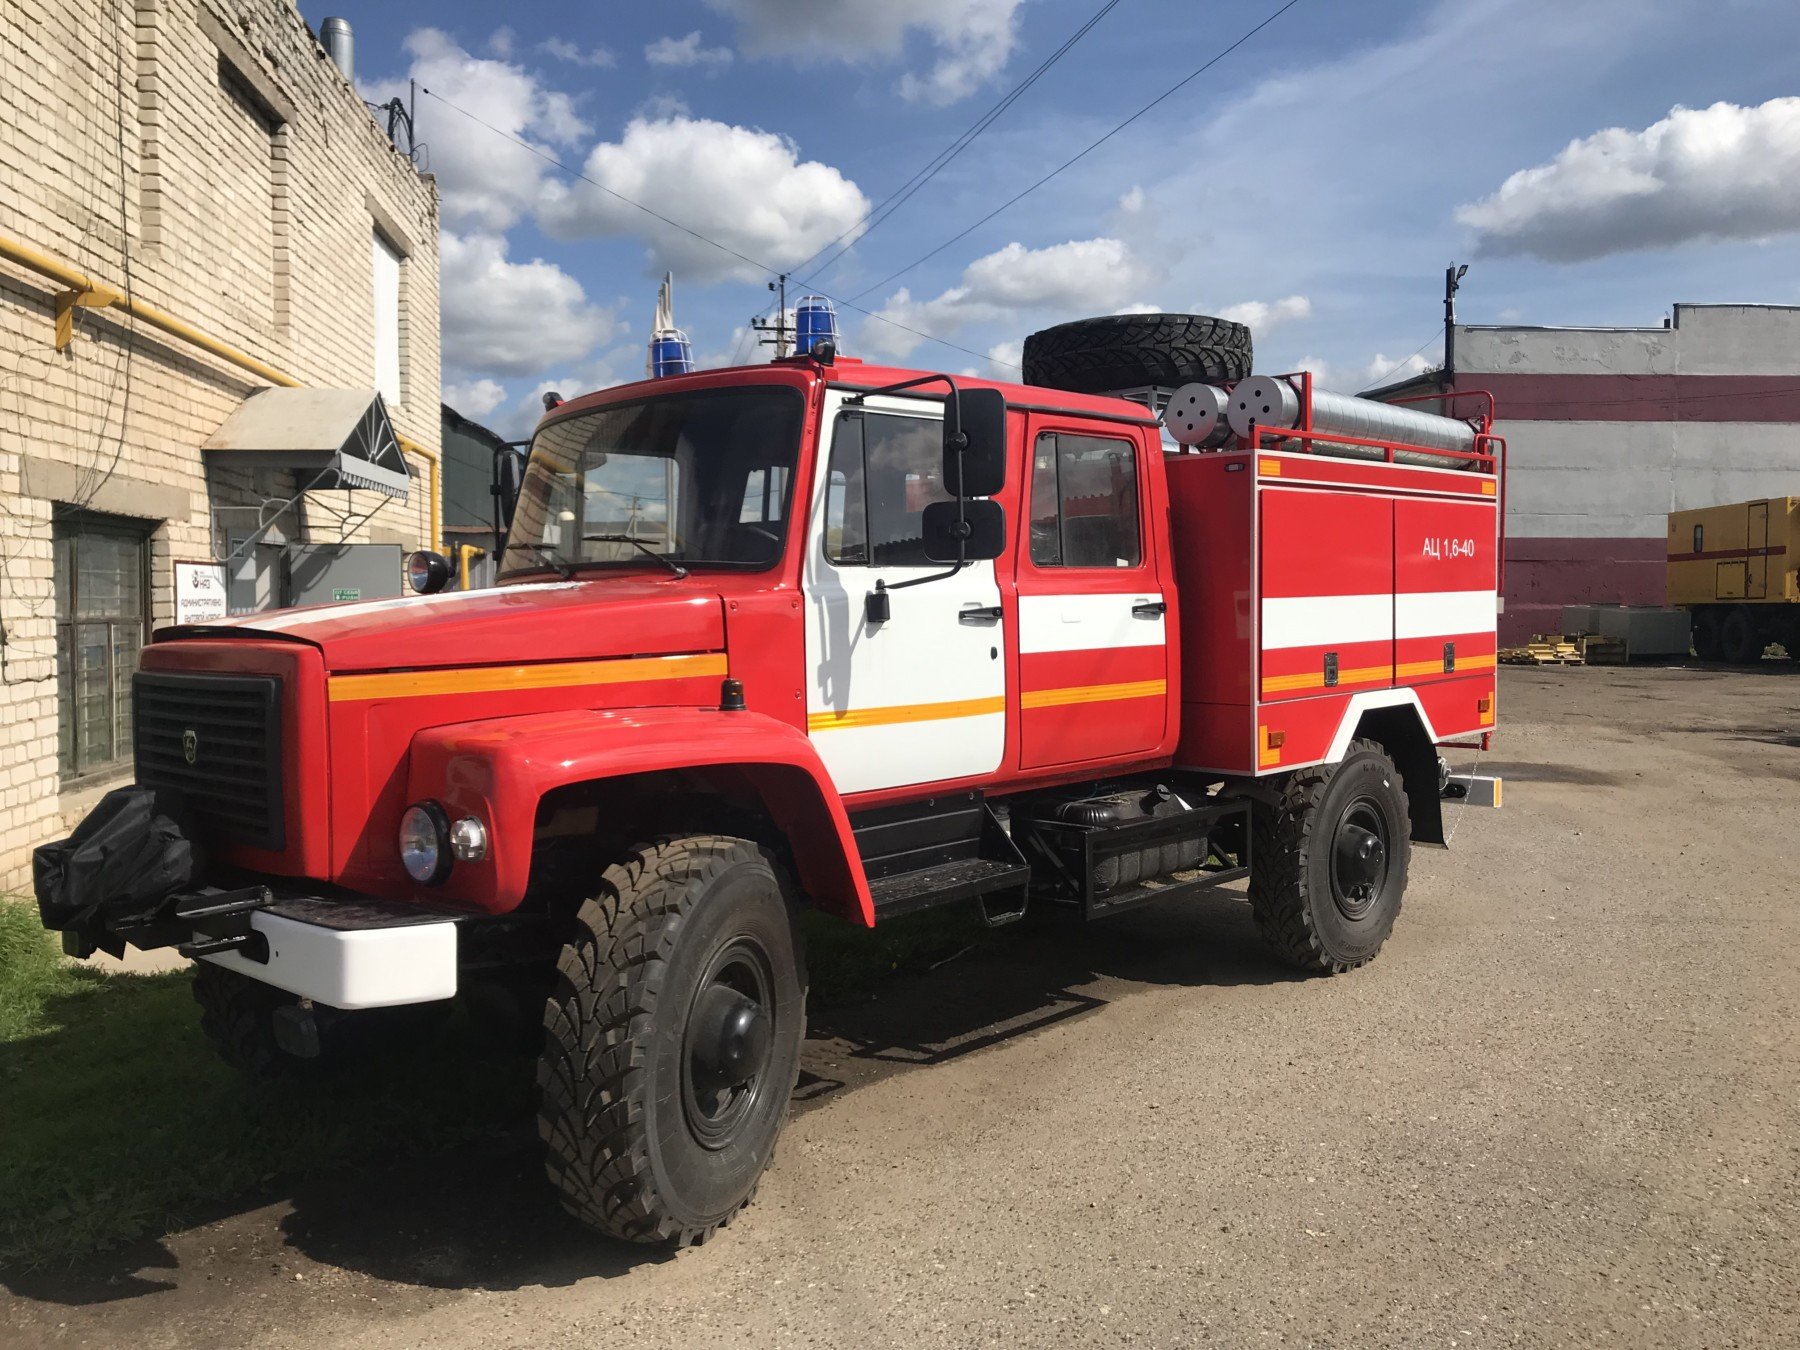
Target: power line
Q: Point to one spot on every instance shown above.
(710, 242)
(880, 212)
(1403, 362)
(1081, 154)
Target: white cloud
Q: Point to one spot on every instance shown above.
(1724, 172)
(507, 318)
(500, 43)
(1264, 316)
(677, 53)
(748, 189)
(595, 58)
(1139, 307)
(486, 184)
(972, 39)
(1007, 360)
(1354, 377)
(475, 398)
(738, 349)
(1083, 276)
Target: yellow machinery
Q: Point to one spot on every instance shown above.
(1733, 568)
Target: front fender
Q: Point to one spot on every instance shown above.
(500, 769)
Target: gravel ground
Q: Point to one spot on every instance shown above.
(1560, 1109)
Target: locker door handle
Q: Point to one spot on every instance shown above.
(1150, 609)
(979, 614)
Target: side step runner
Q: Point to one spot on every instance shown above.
(938, 852)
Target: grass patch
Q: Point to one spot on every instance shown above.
(116, 1118)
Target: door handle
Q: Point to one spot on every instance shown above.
(979, 614)
(1150, 609)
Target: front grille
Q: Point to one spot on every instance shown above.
(215, 741)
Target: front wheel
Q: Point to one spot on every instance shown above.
(672, 1040)
(1739, 641)
(1328, 862)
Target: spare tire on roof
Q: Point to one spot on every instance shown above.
(1126, 351)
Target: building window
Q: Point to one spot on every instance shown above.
(885, 470)
(102, 618)
(389, 328)
(1084, 502)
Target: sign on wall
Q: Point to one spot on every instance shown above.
(199, 592)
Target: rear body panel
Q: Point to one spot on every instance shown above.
(1317, 589)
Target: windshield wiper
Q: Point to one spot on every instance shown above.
(674, 567)
(561, 566)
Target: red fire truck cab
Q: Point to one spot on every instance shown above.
(815, 633)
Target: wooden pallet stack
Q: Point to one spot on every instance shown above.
(1552, 649)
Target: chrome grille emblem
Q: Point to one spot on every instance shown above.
(190, 745)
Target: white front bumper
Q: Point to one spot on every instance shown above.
(356, 967)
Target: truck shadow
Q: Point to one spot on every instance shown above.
(480, 1215)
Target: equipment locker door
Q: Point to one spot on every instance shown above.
(1444, 589)
(920, 698)
(1093, 633)
(1756, 552)
(1326, 620)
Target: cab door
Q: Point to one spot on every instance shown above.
(1093, 629)
(920, 697)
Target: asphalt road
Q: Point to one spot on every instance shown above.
(1562, 1108)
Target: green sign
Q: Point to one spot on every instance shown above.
(347, 593)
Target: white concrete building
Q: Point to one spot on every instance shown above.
(1609, 429)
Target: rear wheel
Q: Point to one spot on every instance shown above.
(1708, 645)
(1328, 865)
(1739, 641)
(672, 1040)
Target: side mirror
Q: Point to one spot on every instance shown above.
(969, 531)
(975, 443)
(509, 477)
(427, 572)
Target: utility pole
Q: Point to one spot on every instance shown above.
(1453, 276)
(780, 340)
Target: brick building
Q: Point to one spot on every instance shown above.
(1610, 429)
(232, 219)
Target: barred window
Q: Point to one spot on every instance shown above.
(102, 619)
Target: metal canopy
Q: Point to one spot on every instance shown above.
(342, 435)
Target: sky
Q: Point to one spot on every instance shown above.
(1592, 161)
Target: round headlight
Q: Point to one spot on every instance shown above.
(425, 843)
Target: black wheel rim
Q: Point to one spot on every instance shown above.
(1359, 858)
(727, 1042)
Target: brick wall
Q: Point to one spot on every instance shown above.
(206, 156)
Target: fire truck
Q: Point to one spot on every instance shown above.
(817, 634)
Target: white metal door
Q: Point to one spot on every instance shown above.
(922, 697)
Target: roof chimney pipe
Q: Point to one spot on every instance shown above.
(340, 46)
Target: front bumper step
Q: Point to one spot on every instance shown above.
(346, 952)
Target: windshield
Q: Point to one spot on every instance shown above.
(700, 479)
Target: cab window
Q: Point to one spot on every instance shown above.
(1084, 502)
(885, 470)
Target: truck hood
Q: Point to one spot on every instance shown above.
(547, 621)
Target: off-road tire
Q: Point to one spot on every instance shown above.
(1291, 894)
(1739, 641)
(621, 1148)
(237, 1014)
(1708, 645)
(1126, 351)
